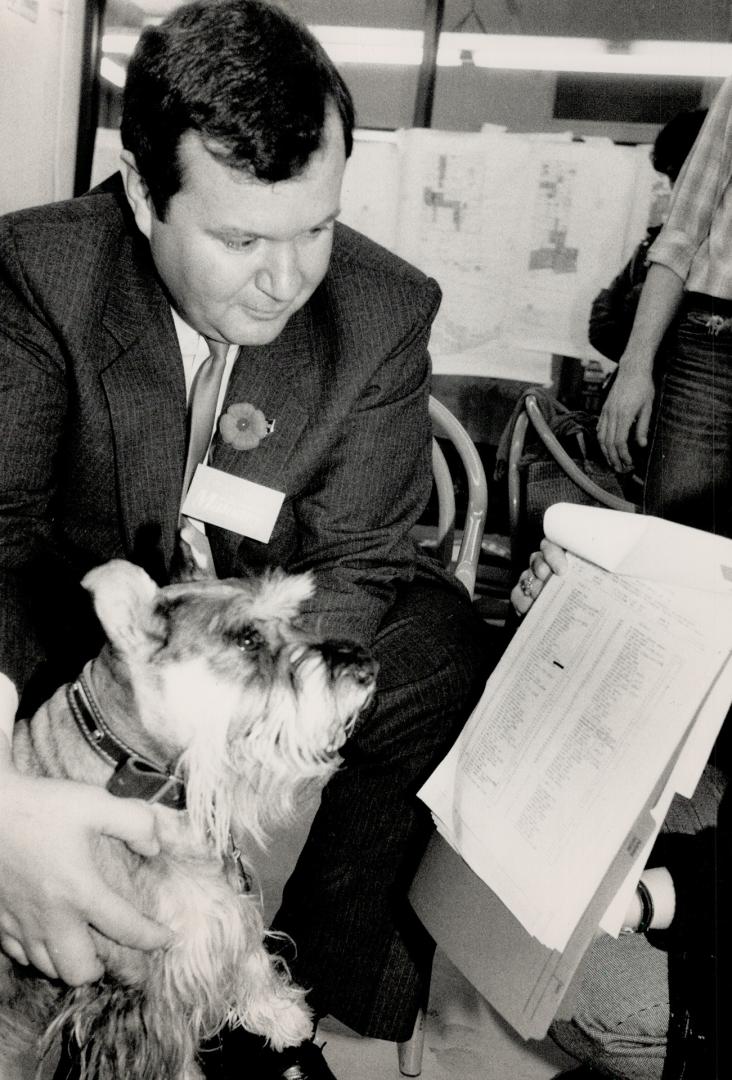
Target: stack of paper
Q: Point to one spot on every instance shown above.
(606, 703)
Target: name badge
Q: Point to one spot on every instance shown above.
(243, 507)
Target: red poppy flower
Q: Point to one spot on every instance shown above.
(243, 426)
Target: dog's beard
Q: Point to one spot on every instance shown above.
(251, 776)
(209, 787)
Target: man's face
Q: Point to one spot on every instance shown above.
(239, 256)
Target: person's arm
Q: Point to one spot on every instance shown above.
(631, 397)
(701, 186)
(653, 904)
(697, 866)
(355, 521)
(51, 891)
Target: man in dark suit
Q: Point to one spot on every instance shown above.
(222, 234)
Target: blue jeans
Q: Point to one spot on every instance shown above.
(689, 474)
(621, 1013)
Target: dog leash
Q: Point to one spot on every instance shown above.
(135, 776)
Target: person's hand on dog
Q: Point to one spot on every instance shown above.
(51, 891)
(551, 559)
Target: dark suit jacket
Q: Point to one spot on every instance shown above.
(93, 428)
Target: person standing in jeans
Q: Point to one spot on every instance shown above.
(686, 303)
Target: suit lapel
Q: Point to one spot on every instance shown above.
(145, 388)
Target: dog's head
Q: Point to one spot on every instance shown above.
(219, 676)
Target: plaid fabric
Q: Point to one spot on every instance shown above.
(695, 241)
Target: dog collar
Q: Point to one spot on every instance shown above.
(135, 776)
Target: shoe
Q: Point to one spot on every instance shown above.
(224, 1058)
(304, 1062)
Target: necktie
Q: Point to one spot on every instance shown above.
(202, 407)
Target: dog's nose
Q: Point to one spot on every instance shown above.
(345, 654)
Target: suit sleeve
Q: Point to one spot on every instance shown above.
(355, 522)
(33, 397)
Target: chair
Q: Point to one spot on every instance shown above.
(464, 566)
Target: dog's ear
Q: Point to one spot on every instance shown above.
(190, 562)
(281, 596)
(124, 600)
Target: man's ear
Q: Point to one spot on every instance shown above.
(124, 600)
(137, 194)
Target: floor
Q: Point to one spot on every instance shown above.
(464, 1038)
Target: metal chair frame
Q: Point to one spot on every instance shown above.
(465, 568)
(465, 565)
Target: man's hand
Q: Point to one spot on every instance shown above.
(51, 891)
(629, 402)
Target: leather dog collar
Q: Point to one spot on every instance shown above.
(135, 776)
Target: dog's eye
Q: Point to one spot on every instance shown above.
(248, 639)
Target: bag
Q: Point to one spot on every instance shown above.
(544, 481)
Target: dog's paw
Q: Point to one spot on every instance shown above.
(292, 1024)
(283, 1020)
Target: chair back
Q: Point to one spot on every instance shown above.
(464, 564)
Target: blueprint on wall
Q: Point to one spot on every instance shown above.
(521, 232)
(571, 243)
(460, 229)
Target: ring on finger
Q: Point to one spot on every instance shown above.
(526, 582)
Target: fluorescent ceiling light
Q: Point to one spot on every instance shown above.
(512, 52)
(121, 42)
(519, 53)
(112, 71)
(712, 59)
(363, 45)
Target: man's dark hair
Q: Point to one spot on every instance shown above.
(248, 78)
(675, 140)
